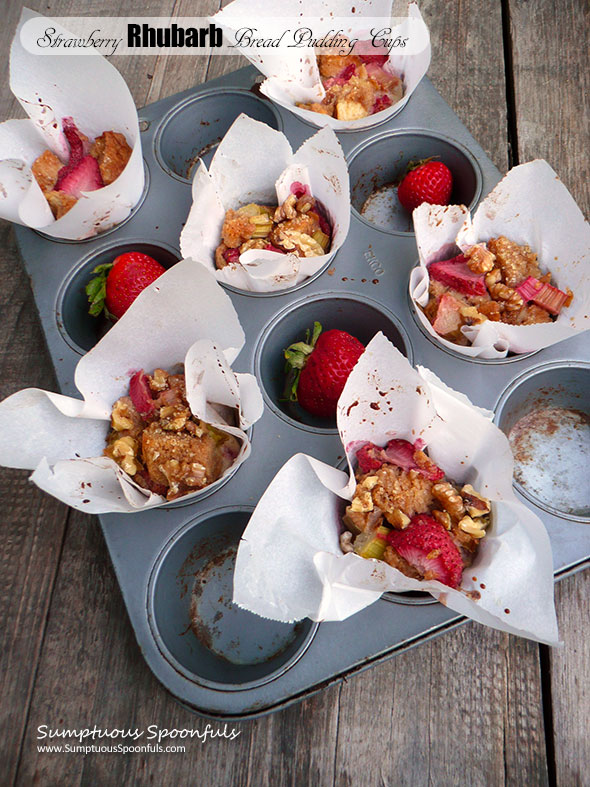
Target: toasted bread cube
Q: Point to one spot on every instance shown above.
(350, 110)
(45, 169)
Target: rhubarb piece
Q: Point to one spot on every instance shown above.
(321, 238)
(85, 176)
(455, 273)
(140, 393)
(428, 547)
(371, 545)
(542, 294)
(448, 315)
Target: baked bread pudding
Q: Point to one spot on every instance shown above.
(406, 513)
(157, 441)
(91, 166)
(299, 226)
(498, 280)
(356, 86)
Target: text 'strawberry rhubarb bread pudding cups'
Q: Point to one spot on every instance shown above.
(137, 440)
(514, 278)
(342, 75)
(74, 168)
(431, 509)
(271, 219)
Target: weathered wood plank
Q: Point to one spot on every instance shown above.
(550, 44)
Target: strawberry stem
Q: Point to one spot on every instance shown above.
(96, 290)
(296, 356)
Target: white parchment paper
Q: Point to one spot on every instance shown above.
(255, 163)
(296, 78)
(290, 564)
(90, 90)
(183, 317)
(529, 206)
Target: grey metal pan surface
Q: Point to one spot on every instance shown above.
(174, 564)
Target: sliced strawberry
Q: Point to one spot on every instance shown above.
(270, 247)
(299, 189)
(75, 141)
(455, 273)
(380, 60)
(428, 547)
(231, 255)
(85, 176)
(140, 393)
(381, 103)
(542, 294)
(370, 457)
(396, 452)
(448, 316)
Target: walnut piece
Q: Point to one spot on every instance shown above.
(449, 498)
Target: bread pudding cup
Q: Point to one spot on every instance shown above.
(508, 584)
(344, 93)
(136, 440)
(254, 181)
(60, 93)
(526, 247)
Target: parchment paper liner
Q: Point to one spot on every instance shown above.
(89, 89)
(290, 565)
(255, 163)
(530, 206)
(296, 78)
(184, 316)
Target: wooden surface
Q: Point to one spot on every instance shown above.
(473, 707)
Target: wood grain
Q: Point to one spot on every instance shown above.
(550, 44)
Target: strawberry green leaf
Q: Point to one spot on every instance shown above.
(296, 356)
(96, 290)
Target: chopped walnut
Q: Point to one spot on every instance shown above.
(449, 498)
(287, 210)
(493, 277)
(467, 525)
(516, 262)
(476, 504)
(299, 242)
(480, 259)
(443, 518)
(512, 300)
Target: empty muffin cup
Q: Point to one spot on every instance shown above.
(79, 328)
(194, 622)
(193, 130)
(546, 415)
(362, 318)
(377, 165)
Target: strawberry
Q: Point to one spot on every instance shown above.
(427, 181)
(400, 453)
(381, 103)
(456, 274)
(448, 315)
(428, 547)
(140, 393)
(84, 176)
(75, 141)
(118, 284)
(318, 370)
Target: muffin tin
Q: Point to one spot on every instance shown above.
(174, 563)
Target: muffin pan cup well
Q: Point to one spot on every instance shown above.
(366, 288)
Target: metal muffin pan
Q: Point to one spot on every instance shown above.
(174, 563)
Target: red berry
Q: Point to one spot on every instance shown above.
(325, 365)
(131, 274)
(428, 547)
(83, 176)
(430, 182)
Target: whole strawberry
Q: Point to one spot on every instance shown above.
(318, 369)
(427, 181)
(117, 284)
